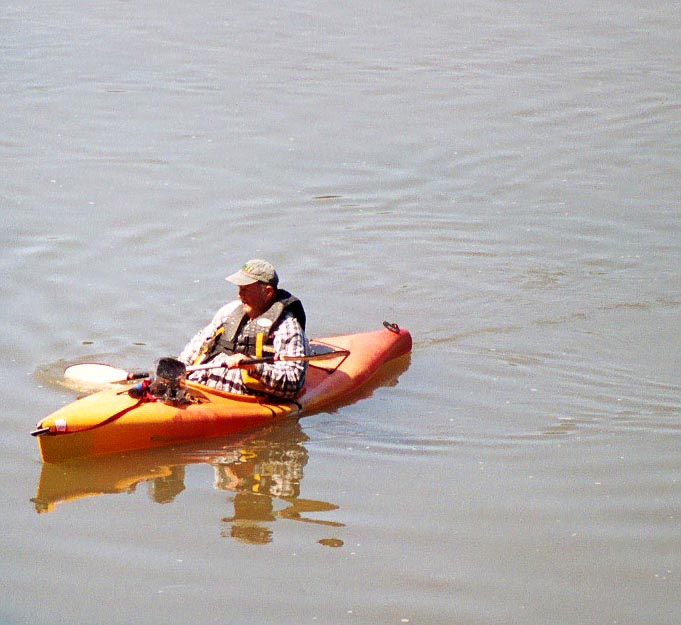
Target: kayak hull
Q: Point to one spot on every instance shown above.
(111, 421)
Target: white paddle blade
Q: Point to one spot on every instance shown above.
(92, 373)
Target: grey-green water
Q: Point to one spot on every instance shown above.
(502, 179)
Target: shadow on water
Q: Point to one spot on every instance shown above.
(259, 467)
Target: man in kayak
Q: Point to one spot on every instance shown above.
(264, 321)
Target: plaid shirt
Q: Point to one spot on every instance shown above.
(284, 379)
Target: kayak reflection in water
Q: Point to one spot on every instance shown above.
(265, 321)
(259, 469)
(264, 471)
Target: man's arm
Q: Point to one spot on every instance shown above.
(285, 378)
(204, 336)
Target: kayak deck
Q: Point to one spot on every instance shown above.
(111, 421)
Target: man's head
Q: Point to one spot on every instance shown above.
(257, 281)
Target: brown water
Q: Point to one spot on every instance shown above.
(502, 179)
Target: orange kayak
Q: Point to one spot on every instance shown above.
(112, 421)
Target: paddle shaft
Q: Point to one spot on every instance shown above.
(252, 361)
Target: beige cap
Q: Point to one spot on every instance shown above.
(255, 270)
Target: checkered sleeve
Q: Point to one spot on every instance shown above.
(285, 378)
(205, 336)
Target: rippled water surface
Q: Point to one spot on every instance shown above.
(502, 179)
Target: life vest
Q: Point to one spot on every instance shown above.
(253, 337)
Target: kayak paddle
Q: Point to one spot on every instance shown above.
(100, 374)
(95, 373)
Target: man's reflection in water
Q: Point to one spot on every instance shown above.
(259, 473)
(164, 489)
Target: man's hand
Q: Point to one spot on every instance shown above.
(238, 360)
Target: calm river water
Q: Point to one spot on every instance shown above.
(501, 178)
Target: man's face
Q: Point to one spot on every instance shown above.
(256, 298)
